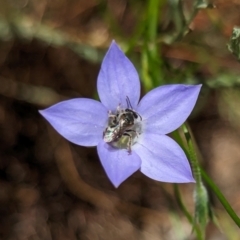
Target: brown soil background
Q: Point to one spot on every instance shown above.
(52, 189)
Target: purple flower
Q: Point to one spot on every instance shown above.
(129, 135)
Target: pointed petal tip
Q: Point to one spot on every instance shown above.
(193, 181)
(81, 120)
(163, 159)
(41, 111)
(190, 179)
(113, 44)
(117, 163)
(117, 79)
(44, 113)
(167, 107)
(116, 185)
(115, 47)
(199, 86)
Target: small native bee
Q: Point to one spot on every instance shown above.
(121, 124)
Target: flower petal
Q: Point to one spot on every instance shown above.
(163, 159)
(117, 163)
(81, 121)
(167, 107)
(117, 80)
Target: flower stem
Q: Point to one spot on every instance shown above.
(193, 157)
(151, 63)
(221, 197)
(200, 192)
(197, 169)
(186, 213)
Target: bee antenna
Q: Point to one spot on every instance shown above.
(128, 102)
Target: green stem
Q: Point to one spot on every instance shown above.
(186, 213)
(193, 157)
(220, 197)
(214, 188)
(182, 24)
(151, 47)
(153, 14)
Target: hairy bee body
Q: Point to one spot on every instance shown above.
(121, 124)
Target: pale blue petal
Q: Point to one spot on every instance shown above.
(81, 121)
(163, 159)
(117, 163)
(117, 80)
(166, 108)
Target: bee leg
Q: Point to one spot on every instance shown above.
(119, 107)
(131, 130)
(129, 144)
(112, 118)
(110, 114)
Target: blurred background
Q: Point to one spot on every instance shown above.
(51, 50)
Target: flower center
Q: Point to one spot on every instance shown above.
(123, 128)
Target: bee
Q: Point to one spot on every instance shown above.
(122, 124)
